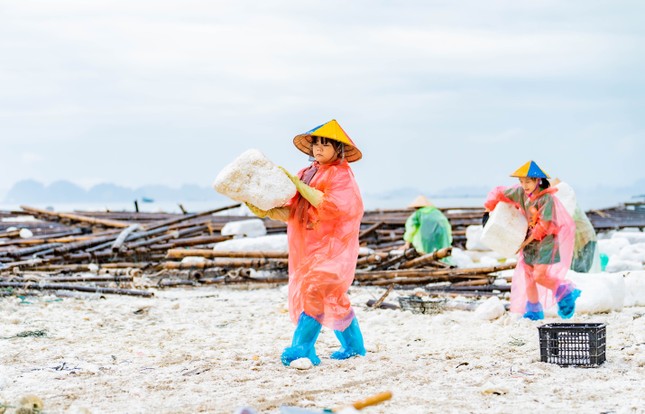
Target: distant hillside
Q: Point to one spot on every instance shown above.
(30, 191)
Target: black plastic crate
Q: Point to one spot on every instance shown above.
(579, 344)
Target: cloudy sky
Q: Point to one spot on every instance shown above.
(435, 93)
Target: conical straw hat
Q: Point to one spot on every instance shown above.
(530, 169)
(331, 130)
(420, 201)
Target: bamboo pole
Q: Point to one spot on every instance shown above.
(380, 300)
(407, 254)
(209, 253)
(427, 258)
(28, 251)
(463, 272)
(55, 286)
(191, 216)
(75, 217)
(421, 280)
(121, 238)
(171, 235)
(225, 262)
(190, 241)
(371, 259)
(370, 230)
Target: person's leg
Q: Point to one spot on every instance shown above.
(541, 276)
(304, 339)
(566, 294)
(533, 309)
(351, 341)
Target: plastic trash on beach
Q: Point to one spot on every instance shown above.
(253, 178)
(244, 228)
(505, 230)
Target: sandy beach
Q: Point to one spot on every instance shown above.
(214, 350)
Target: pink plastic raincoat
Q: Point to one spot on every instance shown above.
(323, 247)
(553, 230)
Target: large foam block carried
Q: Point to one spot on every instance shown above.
(253, 178)
(505, 230)
(473, 238)
(567, 197)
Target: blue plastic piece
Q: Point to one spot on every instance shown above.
(351, 342)
(604, 259)
(534, 311)
(567, 303)
(304, 339)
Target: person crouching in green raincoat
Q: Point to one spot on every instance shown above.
(427, 229)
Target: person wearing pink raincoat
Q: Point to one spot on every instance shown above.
(539, 280)
(323, 223)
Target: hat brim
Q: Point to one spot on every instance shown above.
(303, 143)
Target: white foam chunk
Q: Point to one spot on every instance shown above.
(635, 288)
(601, 292)
(245, 228)
(616, 264)
(612, 247)
(253, 178)
(567, 197)
(460, 259)
(26, 233)
(473, 238)
(630, 236)
(505, 230)
(490, 309)
(633, 252)
(271, 243)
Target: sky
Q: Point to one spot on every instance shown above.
(436, 94)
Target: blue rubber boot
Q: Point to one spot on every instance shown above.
(534, 311)
(351, 342)
(567, 296)
(304, 338)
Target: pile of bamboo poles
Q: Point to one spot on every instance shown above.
(130, 252)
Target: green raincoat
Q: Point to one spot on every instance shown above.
(428, 230)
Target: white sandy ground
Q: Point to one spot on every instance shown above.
(215, 349)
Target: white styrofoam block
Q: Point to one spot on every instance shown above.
(253, 178)
(271, 243)
(567, 197)
(193, 260)
(601, 292)
(490, 309)
(460, 259)
(634, 252)
(616, 264)
(473, 238)
(478, 256)
(505, 230)
(245, 228)
(635, 288)
(631, 236)
(26, 233)
(612, 247)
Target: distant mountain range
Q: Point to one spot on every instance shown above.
(30, 191)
